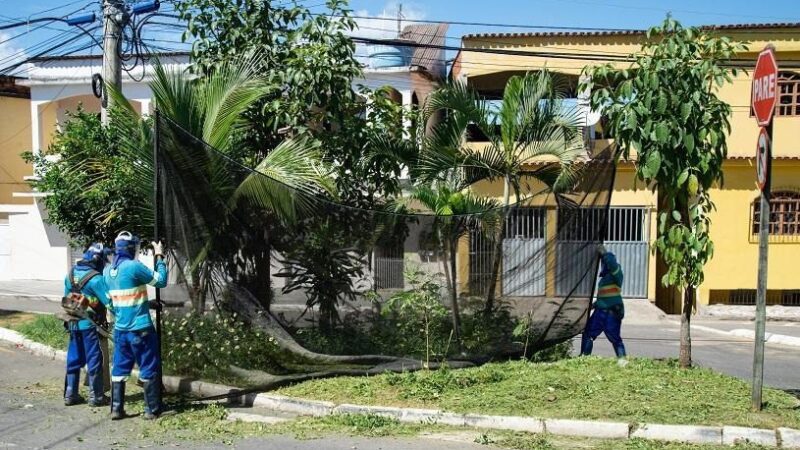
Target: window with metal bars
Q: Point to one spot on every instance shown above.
(784, 214)
(788, 95)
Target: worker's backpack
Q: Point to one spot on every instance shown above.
(76, 305)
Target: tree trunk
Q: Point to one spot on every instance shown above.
(497, 258)
(454, 297)
(688, 307)
(686, 336)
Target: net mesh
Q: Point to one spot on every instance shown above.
(235, 233)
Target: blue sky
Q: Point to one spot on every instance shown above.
(570, 13)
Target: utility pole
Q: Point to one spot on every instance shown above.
(114, 19)
(399, 19)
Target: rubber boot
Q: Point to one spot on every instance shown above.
(71, 386)
(152, 399)
(96, 395)
(117, 400)
(586, 345)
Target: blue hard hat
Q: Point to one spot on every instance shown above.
(95, 250)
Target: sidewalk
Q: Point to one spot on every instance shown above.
(34, 296)
(46, 290)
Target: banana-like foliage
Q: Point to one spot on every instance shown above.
(210, 194)
(211, 110)
(533, 134)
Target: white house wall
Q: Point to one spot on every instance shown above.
(38, 251)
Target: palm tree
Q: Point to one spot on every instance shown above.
(457, 211)
(200, 121)
(533, 135)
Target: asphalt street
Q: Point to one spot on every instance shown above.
(730, 355)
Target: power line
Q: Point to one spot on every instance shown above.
(45, 25)
(75, 2)
(6, 70)
(487, 24)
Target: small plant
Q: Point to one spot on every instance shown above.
(523, 330)
(419, 308)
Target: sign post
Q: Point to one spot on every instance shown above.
(763, 98)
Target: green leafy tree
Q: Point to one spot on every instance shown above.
(86, 179)
(665, 108)
(532, 123)
(308, 60)
(211, 111)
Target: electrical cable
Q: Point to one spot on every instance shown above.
(6, 69)
(75, 2)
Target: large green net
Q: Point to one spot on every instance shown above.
(242, 242)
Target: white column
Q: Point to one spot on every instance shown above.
(145, 105)
(406, 94)
(36, 133)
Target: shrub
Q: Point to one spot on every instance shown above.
(206, 345)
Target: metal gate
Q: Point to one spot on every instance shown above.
(626, 236)
(523, 269)
(389, 267)
(524, 261)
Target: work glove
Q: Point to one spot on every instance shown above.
(158, 249)
(601, 249)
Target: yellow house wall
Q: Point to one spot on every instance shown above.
(15, 138)
(735, 262)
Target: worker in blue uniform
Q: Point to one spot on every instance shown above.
(608, 309)
(86, 282)
(135, 338)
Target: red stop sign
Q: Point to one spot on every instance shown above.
(764, 94)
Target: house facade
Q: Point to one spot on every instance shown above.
(730, 277)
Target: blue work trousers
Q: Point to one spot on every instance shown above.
(603, 321)
(84, 350)
(139, 347)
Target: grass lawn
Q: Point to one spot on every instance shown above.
(43, 328)
(581, 388)
(206, 423)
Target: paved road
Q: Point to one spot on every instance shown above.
(32, 416)
(730, 355)
(785, 328)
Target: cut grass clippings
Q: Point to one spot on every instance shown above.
(528, 441)
(581, 388)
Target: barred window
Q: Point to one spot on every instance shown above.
(788, 95)
(784, 214)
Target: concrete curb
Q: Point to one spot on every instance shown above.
(770, 338)
(34, 347)
(730, 435)
(682, 433)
